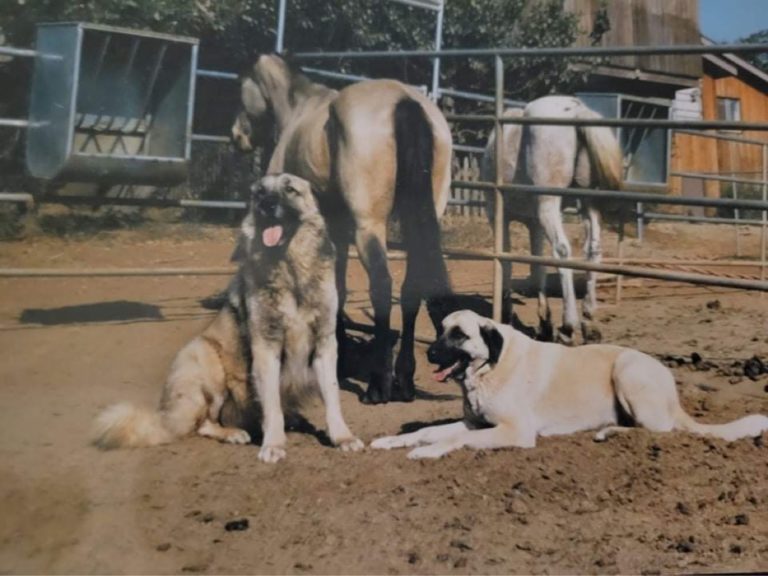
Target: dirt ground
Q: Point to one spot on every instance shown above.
(640, 503)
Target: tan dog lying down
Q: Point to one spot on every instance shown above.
(525, 389)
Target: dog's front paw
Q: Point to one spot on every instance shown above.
(350, 444)
(428, 451)
(237, 436)
(388, 442)
(271, 454)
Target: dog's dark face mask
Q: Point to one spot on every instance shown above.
(452, 361)
(464, 342)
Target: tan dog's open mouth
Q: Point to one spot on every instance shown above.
(272, 236)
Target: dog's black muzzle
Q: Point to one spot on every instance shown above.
(451, 361)
(439, 353)
(270, 209)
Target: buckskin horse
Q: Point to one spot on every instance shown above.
(370, 149)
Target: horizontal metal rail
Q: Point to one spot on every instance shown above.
(333, 75)
(594, 52)
(14, 123)
(27, 53)
(211, 138)
(725, 137)
(79, 200)
(616, 195)
(142, 202)
(634, 271)
(478, 97)
(20, 123)
(19, 197)
(113, 272)
(704, 176)
(699, 219)
(219, 75)
(227, 270)
(682, 262)
(613, 122)
(473, 149)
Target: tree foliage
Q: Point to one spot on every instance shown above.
(759, 59)
(231, 31)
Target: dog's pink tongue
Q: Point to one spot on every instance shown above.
(271, 236)
(442, 375)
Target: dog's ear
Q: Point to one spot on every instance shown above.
(494, 341)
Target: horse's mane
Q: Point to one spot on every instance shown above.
(298, 82)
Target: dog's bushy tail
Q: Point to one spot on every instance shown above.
(415, 204)
(746, 427)
(127, 426)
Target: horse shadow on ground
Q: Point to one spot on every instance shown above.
(97, 312)
(357, 367)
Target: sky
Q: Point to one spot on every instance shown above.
(729, 20)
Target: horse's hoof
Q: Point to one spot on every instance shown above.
(591, 333)
(379, 389)
(403, 391)
(546, 332)
(565, 336)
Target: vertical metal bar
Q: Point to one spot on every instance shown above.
(148, 99)
(153, 79)
(96, 72)
(498, 221)
(764, 232)
(280, 27)
(438, 46)
(735, 189)
(191, 103)
(620, 254)
(640, 221)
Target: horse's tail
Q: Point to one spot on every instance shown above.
(604, 151)
(415, 204)
(513, 138)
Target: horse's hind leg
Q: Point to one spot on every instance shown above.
(593, 251)
(551, 220)
(405, 367)
(371, 243)
(538, 278)
(339, 231)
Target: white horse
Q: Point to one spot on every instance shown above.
(556, 156)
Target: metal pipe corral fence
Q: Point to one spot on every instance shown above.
(499, 255)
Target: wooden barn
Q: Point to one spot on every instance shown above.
(731, 89)
(722, 87)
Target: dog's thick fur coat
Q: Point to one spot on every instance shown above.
(523, 389)
(279, 322)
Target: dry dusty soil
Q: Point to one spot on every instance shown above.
(640, 503)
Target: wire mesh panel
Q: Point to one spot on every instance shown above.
(111, 105)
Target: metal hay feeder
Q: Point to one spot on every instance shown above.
(111, 105)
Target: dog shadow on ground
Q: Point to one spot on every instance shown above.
(249, 419)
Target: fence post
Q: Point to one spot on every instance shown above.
(765, 215)
(498, 217)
